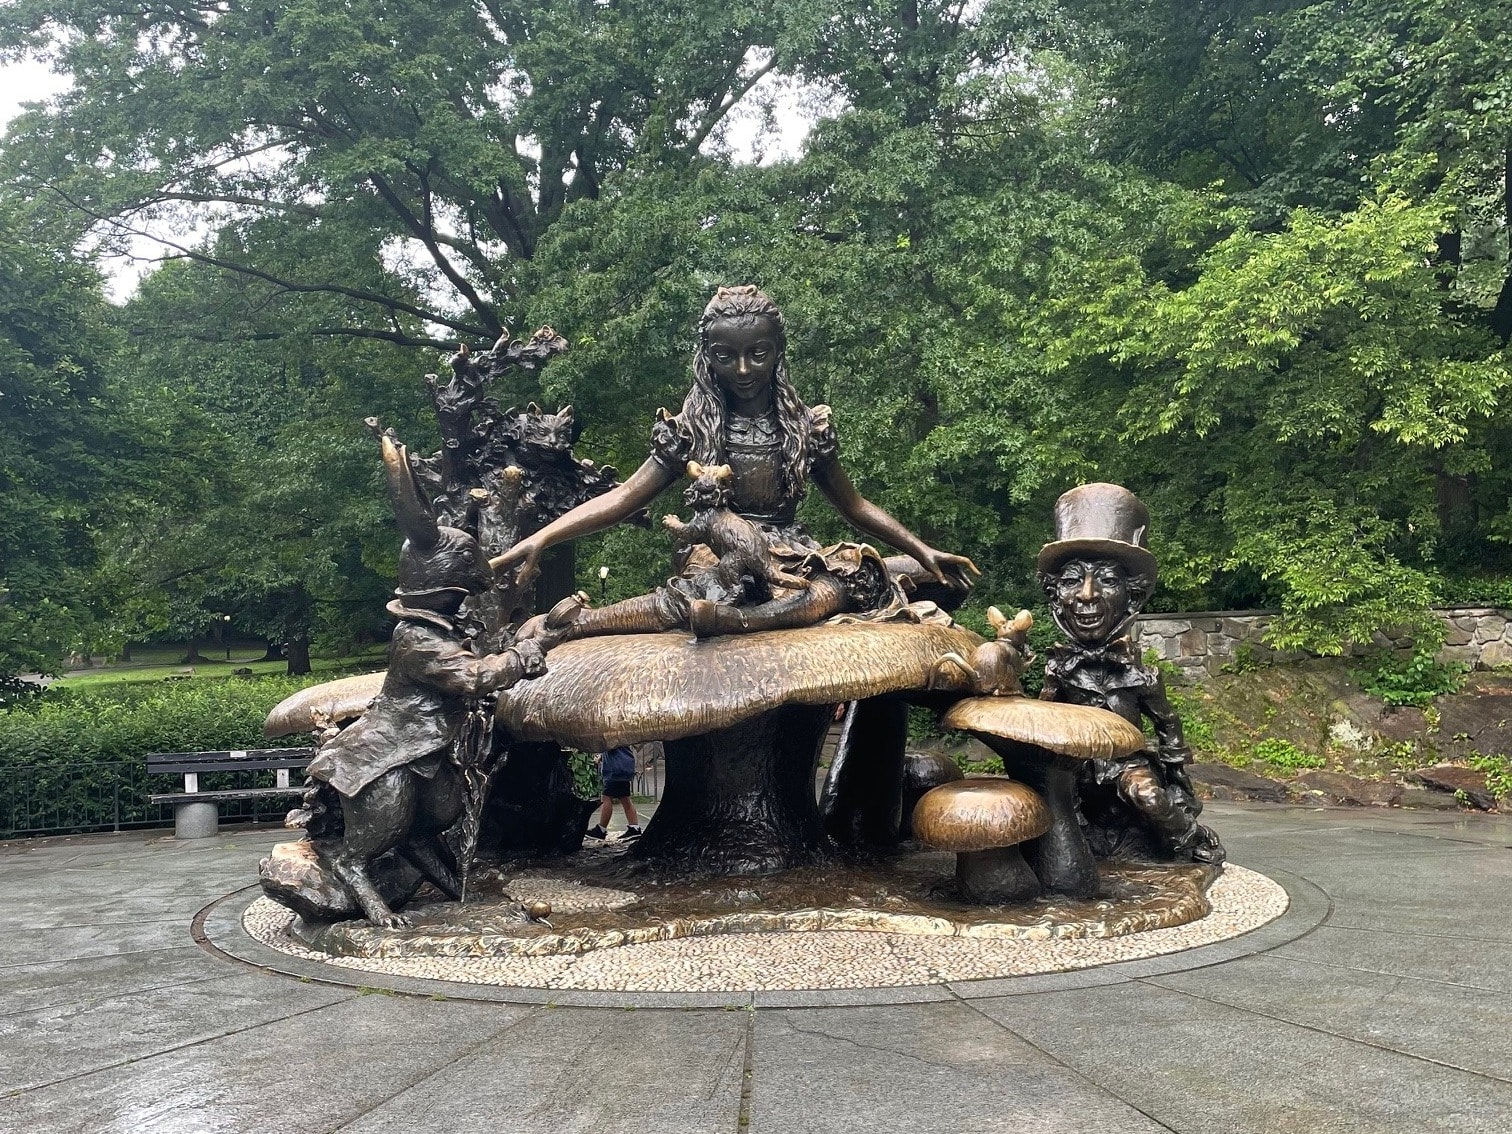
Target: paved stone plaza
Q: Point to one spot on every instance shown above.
(1378, 1002)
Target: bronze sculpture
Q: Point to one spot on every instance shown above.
(392, 782)
(744, 411)
(744, 705)
(1097, 574)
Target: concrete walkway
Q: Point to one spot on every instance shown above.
(1379, 1003)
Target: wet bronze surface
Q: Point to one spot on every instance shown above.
(599, 692)
(910, 895)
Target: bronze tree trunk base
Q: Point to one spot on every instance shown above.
(741, 800)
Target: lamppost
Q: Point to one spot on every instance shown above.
(226, 634)
(603, 584)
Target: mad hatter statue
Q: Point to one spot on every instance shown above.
(1097, 573)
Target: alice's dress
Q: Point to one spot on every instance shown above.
(753, 450)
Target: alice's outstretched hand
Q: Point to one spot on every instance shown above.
(952, 570)
(525, 557)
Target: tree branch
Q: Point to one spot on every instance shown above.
(397, 337)
(426, 235)
(235, 199)
(717, 114)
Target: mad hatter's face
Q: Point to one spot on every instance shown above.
(1090, 599)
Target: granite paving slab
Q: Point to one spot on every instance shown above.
(313, 1071)
(1204, 1067)
(934, 1068)
(583, 1071)
(1376, 1005)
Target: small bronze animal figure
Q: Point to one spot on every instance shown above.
(740, 544)
(994, 667)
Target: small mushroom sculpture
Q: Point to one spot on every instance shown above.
(984, 821)
(922, 773)
(1044, 743)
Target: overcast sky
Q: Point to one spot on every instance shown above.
(25, 82)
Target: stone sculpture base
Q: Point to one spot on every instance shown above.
(734, 953)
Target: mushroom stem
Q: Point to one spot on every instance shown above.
(741, 800)
(1061, 856)
(995, 876)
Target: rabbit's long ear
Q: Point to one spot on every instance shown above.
(411, 510)
(695, 470)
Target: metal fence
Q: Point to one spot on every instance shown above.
(67, 799)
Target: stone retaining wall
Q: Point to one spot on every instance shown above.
(1201, 643)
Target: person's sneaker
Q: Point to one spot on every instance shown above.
(630, 833)
(596, 833)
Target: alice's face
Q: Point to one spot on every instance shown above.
(1091, 598)
(742, 356)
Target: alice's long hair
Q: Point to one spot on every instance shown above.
(704, 411)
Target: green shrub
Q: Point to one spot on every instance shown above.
(924, 727)
(1245, 660)
(1414, 680)
(1284, 754)
(992, 766)
(86, 748)
(587, 782)
(126, 722)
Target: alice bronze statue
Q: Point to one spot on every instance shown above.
(744, 413)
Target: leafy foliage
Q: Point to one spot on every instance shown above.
(1285, 755)
(59, 440)
(128, 722)
(1498, 769)
(1412, 680)
(1248, 259)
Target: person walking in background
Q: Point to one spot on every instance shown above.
(617, 767)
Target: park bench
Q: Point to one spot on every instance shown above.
(195, 812)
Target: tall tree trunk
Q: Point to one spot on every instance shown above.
(298, 650)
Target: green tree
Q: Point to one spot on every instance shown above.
(61, 440)
(286, 527)
(403, 159)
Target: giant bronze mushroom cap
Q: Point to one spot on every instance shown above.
(331, 702)
(922, 772)
(1067, 730)
(1043, 743)
(983, 821)
(628, 688)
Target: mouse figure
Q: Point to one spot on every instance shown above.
(733, 553)
(994, 667)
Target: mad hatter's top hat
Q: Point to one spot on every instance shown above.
(1100, 521)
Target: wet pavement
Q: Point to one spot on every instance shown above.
(1377, 1003)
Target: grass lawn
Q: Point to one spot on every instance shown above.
(160, 663)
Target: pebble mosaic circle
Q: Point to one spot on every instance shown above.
(1242, 900)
